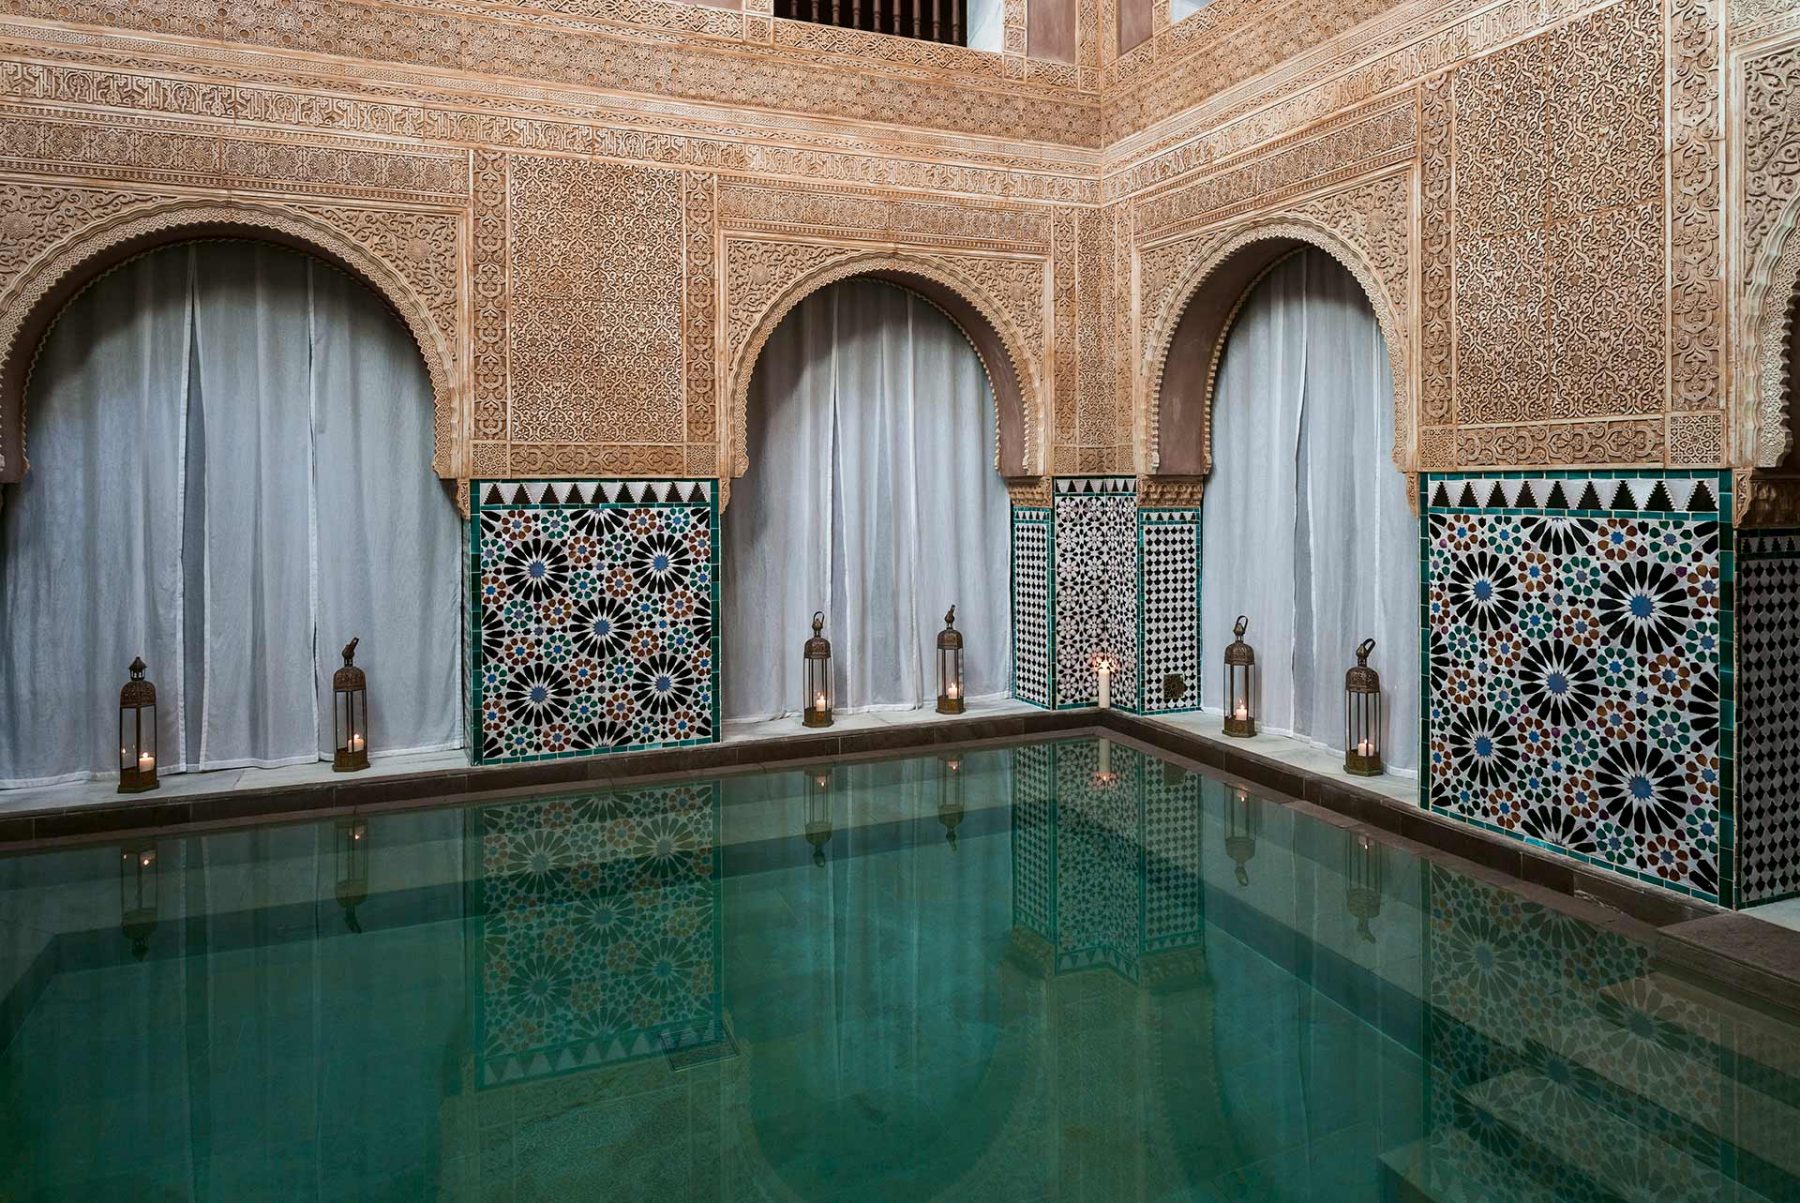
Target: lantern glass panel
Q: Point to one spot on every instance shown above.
(1240, 683)
(137, 733)
(816, 704)
(350, 714)
(1362, 715)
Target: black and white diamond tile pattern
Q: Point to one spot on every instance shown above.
(1173, 913)
(1171, 617)
(1768, 612)
(1033, 794)
(1651, 494)
(1031, 606)
(1095, 557)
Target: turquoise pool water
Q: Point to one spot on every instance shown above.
(1046, 971)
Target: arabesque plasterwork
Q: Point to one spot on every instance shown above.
(590, 212)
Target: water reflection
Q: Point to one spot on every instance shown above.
(1064, 969)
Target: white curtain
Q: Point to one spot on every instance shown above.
(230, 475)
(1306, 529)
(871, 496)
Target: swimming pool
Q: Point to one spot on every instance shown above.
(1052, 970)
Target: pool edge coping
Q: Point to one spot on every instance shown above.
(1687, 936)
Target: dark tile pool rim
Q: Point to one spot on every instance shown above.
(1757, 959)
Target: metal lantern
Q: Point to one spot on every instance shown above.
(1362, 875)
(818, 812)
(818, 676)
(137, 732)
(350, 714)
(1240, 683)
(1362, 715)
(352, 868)
(137, 896)
(950, 796)
(950, 666)
(1243, 819)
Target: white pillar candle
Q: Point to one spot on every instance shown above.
(146, 762)
(1105, 673)
(819, 703)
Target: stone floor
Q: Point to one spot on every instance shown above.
(104, 791)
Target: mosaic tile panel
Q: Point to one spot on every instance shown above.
(1032, 616)
(1768, 680)
(1576, 639)
(592, 618)
(1169, 606)
(1552, 1053)
(1033, 838)
(600, 925)
(1106, 856)
(1095, 587)
(1174, 916)
(1098, 854)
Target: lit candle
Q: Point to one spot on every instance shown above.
(1364, 748)
(1241, 713)
(1104, 668)
(146, 762)
(819, 703)
(356, 743)
(952, 690)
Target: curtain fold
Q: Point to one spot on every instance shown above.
(1306, 527)
(872, 497)
(182, 410)
(89, 575)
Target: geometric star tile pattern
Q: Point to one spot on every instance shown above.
(600, 929)
(592, 621)
(1574, 656)
(1095, 560)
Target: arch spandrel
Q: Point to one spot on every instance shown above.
(368, 244)
(1186, 339)
(1006, 350)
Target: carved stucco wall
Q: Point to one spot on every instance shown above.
(1766, 270)
(1530, 191)
(1547, 253)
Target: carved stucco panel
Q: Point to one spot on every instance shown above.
(1771, 253)
(596, 284)
(50, 235)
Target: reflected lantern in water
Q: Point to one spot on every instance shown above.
(1240, 683)
(138, 896)
(950, 796)
(950, 666)
(1243, 819)
(817, 660)
(818, 812)
(352, 868)
(1362, 877)
(137, 732)
(1362, 715)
